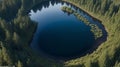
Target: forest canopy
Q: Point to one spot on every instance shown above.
(15, 25)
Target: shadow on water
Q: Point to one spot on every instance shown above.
(44, 34)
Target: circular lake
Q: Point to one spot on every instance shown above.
(60, 34)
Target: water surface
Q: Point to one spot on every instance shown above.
(60, 34)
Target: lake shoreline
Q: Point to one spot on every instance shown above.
(97, 43)
(100, 40)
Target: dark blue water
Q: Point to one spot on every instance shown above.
(59, 34)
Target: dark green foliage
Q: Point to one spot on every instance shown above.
(16, 31)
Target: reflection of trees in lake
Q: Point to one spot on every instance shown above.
(9, 9)
(12, 8)
(46, 4)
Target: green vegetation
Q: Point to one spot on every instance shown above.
(16, 31)
(67, 9)
(94, 28)
(107, 54)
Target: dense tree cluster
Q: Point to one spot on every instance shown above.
(16, 31)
